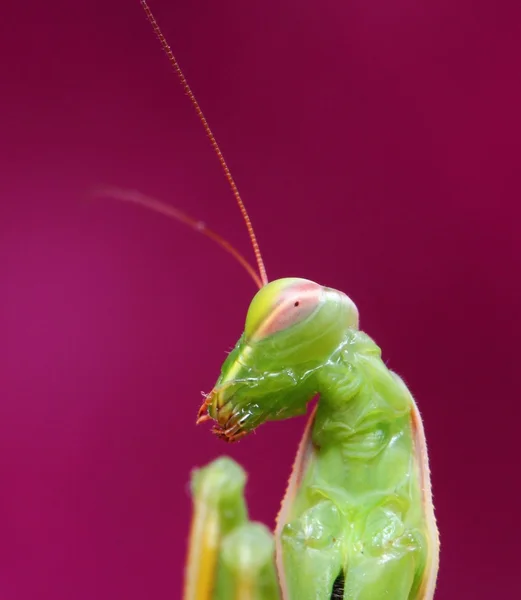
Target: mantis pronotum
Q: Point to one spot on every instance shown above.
(357, 520)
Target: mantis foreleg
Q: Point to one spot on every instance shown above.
(229, 557)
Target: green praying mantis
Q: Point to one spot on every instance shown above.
(357, 520)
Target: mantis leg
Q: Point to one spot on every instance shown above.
(229, 557)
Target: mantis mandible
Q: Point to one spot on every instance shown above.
(357, 520)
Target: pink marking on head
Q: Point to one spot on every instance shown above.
(294, 305)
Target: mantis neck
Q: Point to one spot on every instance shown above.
(362, 429)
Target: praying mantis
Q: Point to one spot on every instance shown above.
(357, 520)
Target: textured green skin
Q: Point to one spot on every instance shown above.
(358, 509)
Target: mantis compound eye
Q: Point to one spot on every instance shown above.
(281, 304)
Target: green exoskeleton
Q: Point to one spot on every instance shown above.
(357, 517)
(357, 521)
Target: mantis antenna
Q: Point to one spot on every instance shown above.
(183, 217)
(188, 220)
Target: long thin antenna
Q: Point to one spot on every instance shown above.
(179, 215)
(213, 141)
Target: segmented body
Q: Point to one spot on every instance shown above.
(361, 510)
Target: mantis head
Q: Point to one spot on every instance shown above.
(293, 327)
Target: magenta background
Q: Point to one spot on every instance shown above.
(377, 145)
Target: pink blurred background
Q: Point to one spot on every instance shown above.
(377, 145)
